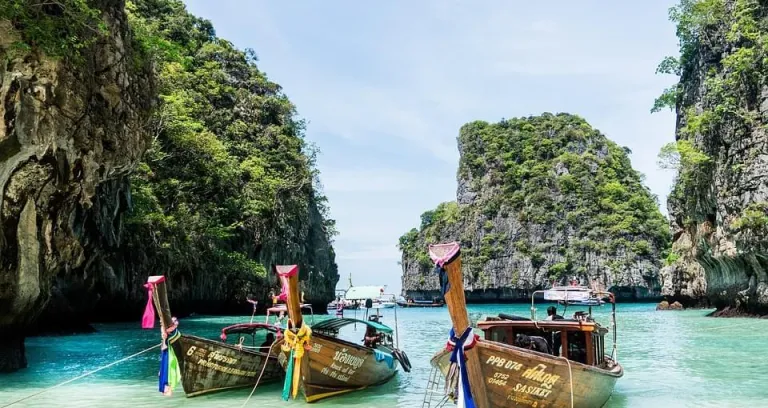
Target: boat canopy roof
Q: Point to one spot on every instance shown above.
(364, 292)
(576, 295)
(337, 323)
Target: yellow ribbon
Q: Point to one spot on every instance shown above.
(299, 342)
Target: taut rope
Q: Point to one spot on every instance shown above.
(258, 380)
(570, 376)
(83, 375)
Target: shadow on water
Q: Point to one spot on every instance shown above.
(676, 359)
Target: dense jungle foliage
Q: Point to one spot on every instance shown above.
(728, 41)
(229, 184)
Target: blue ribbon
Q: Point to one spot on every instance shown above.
(445, 285)
(457, 357)
(163, 380)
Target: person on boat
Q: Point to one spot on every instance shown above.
(552, 314)
(268, 342)
(555, 336)
(535, 343)
(372, 336)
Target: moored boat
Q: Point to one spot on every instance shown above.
(320, 364)
(203, 365)
(420, 303)
(557, 363)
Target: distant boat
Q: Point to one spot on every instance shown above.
(383, 304)
(421, 303)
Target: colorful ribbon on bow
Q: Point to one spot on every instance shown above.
(458, 347)
(170, 373)
(295, 343)
(148, 320)
(445, 285)
(440, 262)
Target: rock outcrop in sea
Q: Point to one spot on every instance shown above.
(542, 199)
(719, 203)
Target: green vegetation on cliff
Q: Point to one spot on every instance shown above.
(549, 189)
(58, 28)
(719, 203)
(718, 102)
(228, 185)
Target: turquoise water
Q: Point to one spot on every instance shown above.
(671, 359)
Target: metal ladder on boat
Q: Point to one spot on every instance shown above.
(433, 387)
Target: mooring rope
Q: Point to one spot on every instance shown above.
(258, 380)
(82, 376)
(570, 376)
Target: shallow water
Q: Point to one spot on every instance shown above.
(670, 359)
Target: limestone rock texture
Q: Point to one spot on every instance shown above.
(68, 130)
(541, 200)
(719, 203)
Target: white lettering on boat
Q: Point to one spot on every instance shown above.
(538, 375)
(221, 358)
(349, 359)
(532, 390)
(227, 370)
(503, 363)
(316, 347)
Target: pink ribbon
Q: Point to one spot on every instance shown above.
(148, 321)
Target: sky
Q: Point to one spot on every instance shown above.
(385, 87)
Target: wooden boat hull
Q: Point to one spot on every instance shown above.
(515, 377)
(209, 366)
(334, 367)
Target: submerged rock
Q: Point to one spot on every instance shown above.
(664, 305)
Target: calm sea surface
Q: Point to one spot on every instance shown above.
(670, 359)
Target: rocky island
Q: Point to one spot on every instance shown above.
(542, 199)
(136, 142)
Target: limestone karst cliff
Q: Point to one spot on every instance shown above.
(541, 199)
(136, 142)
(73, 119)
(719, 203)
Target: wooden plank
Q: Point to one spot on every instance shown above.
(590, 348)
(457, 308)
(160, 299)
(289, 275)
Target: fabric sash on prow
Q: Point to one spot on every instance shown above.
(289, 277)
(158, 297)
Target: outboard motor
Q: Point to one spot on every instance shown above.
(368, 303)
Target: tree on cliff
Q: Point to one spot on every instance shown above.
(229, 184)
(719, 201)
(543, 198)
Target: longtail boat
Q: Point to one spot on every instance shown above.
(517, 361)
(420, 303)
(320, 364)
(203, 365)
